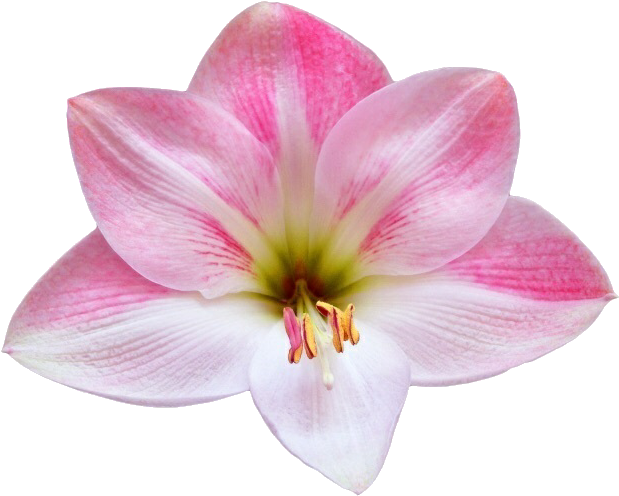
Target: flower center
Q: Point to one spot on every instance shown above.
(315, 326)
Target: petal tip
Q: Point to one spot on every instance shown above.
(502, 84)
(359, 490)
(493, 80)
(81, 103)
(73, 103)
(75, 106)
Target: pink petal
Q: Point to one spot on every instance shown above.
(527, 288)
(179, 188)
(95, 324)
(289, 77)
(417, 173)
(344, 433)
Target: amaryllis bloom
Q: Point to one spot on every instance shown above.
(298, 225)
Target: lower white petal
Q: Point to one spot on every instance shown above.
(95, 324)
(527, 288)
(455, 332)
(345, 433)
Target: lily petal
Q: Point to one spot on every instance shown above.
(289, 77)
(344, 432)
(529, 287)
(179, 188)
(416, 174)
(95, 324)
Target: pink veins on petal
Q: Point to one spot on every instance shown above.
(244, 221)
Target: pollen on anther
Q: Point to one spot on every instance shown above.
(341, 323)
(335, 321)
(309, 338)
(350, 329)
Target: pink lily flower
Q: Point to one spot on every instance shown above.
(298, 225)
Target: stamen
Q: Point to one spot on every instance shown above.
(335, 321)
(324, 308)
(293, 329)
(349, 326)
(341, 323)
(309, 339)
(314, 327)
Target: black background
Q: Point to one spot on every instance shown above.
(543, 407)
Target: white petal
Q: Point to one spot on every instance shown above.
(345, 433)
(458, 332)
(95, 324)
(527, 288)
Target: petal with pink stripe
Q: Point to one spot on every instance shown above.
(179, 188)
(95, 324)
(529, 287)
(289, 77)
(416, 174)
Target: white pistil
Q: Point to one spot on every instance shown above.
(323, 346)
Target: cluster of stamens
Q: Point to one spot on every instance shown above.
(314, 327)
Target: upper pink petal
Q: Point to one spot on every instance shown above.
(527, 288)
(417, 173)
(179, 188)
(289, 77)
(95, 324)
(345, 432)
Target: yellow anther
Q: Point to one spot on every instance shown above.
(349, 326)
(335, 321)
(324, 308)
(309, 338)
(341, 324)
(296, 356)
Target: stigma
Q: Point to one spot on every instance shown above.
(315, 327)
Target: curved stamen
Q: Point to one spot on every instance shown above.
(315, 326)
(293, 329)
